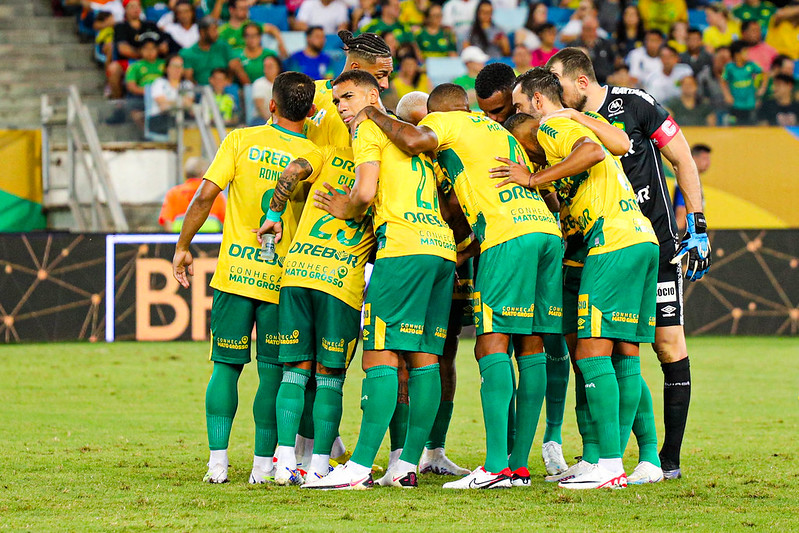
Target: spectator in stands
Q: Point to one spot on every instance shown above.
(609, 13)
(232, 32)
(759, 52)
(572, 30)
(331, 15)
(601, 51)
(701, 157)
(312, 60)
(547, 34)
(709, 81)
(166, 91)
(253, 54)
(389, 22)
(410, 77)
(678, 36)
(262, 87)
(113, 7)
(127, 43)
(742, 84)
(722, 29)
(474, 59)
(219, 80)
(645, 60)
(630, 31)
(688, 109)
(527, 35)
(210, 53)
(363, 14)
(760, 12)
(665, 84)
(141, 73)
(459, 14)
(662, 14)
(695, 55)
(621, 77)
(486, 35)
(783, 31)
(183, 31)
(178, 198)
(522, 60)
(782, 109)
(104, 39)
(781, 64)
(412, 13)
(434, 40)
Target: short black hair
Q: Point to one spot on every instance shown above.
(700, 148)
(222, 70)
(745, 24)
(541, 28)
(293, 94)
(695, 30)
(655, 32)
(786, 79)
(361, 78)
(444, 93)
(779, 60)
(575, 63)
(312, 29)
(738, 46)
(258, 28)
(670, 48)
(541, 80)
(493, 78)
(367, 46)
(514, 121)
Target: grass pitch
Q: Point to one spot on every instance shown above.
(99, 437)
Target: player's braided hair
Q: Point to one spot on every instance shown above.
(368, 46)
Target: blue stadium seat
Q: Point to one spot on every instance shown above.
(558, 15)
(156, 12)
(444, 69)
(149, 105)
(334, 48)
(510, 19)
(796, 69)
(276, 15)
(250, 113)
(294, 41)
(507, 60)
(697, 19)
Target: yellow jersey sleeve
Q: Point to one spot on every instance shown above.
(445, 128)
(557, 137)
(223, 168)
(368, 143)
(316, 158)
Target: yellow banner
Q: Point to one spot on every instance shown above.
(20, 153)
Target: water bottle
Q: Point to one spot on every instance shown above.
(268, 247)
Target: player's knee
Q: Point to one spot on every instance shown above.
(670, 345)
(490, 343)
(327, 371)
(300, 365)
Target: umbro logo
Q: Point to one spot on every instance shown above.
(590, 386)
(668, 311)
(364, 398)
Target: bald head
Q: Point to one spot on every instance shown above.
(412, 107)
(448, 97)
(525, 128)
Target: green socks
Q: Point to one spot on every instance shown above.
(558, 367)
(529, 398)
(512, 407)
(644, 428)
(585, 424)
(263, 408)
(424, 394)
(496, 392)
(327, 411)
(290, 404)
(602, 392)
(378, 400)
(306, 421)
(221, 402)
(398, 427)
(628, 376)
(438, 435)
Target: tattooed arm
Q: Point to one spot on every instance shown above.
(296, 171)
(410, 139)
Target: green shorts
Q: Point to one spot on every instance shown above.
(462, 312)
(407, 304)
(519, 286)
(317, 326)
(571, 289)
(617, 295)
(232, 320)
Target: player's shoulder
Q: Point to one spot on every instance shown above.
(555, 125)
(596, 116)
(368, 131)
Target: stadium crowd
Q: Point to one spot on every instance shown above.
(731, 63)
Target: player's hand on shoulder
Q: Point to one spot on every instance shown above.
(357, 120)
(566, 112)
(511, 172)
(183, 267)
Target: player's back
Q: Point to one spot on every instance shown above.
(468, 143)
(250, 161)
(328, 254)
(326, 127)
(407, 218)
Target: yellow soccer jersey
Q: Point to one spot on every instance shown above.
(251, 160)
(407, 218)
(328, 254)
(326, 127)
(601, 199)
(467, 144)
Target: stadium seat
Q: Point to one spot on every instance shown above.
(250, 113)
(294, 41)
(507, 60)
(149, 105)
(697, 19)
(154, 13)
(796, 70)
(276, 15)
(444, 69)
(510, 19)
(335, 49)
(558, 15)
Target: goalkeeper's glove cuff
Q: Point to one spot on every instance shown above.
(696, 223)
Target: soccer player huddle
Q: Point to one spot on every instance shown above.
(546, 227)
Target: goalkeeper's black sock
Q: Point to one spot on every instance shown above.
(676, 399)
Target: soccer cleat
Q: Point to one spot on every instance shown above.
(258, 476)
(573, 471)
(672, 474)
(216, 474)
(482, 479)
(341, 459)
(437, 462)
(340, 479)
(596, 478)
(520, 477)
(313, 475)
(645, 472)
(287, 476)
(552, 453)
(393, 478)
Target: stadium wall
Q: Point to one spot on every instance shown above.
(54, 287)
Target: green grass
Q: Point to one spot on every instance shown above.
(112, 437)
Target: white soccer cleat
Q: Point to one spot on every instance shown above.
(552, 453)
(259, 476)
(287, 476)
(645, 472)
(596, 478)
(575, 470)
(482, 479)
(520, 477)
(393, 478)
(216, 474)
(341, 479)
(437, 462)
(314, 475)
